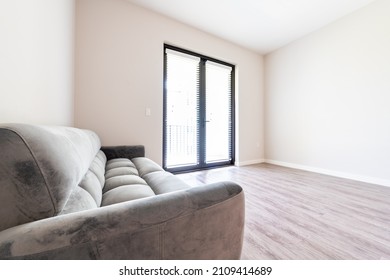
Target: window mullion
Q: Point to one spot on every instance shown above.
(202, 112)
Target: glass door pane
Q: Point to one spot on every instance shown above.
(181, 121)
(218, 112)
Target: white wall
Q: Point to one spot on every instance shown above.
(119, 73)
(328, 98)
(36, 61)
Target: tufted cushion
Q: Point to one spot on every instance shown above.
(137, 178)
(123, 182)
(126, 193)
(146, 166)
(159, 180)
(120, 166)
(92, 184)
(163, 182)
(98, 167)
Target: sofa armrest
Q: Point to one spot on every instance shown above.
(129, 152)
(204, 222)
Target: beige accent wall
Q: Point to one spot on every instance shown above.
(36, 61)
(119, 73)
(328, 98)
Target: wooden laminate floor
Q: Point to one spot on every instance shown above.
(295, 214)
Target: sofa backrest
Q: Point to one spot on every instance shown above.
(40, 168)
(88, 194)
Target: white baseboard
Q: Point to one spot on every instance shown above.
(371, 180)
(249, 162)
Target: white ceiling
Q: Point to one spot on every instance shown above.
(260, 25)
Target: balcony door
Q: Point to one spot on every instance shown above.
(198, 124)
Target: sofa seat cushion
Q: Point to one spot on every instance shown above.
(126, 193)
(145, 166)
(120, 166)
(123, 182)
(159, 180)
(164, 182)
(137, 178)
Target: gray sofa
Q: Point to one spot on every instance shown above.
(63, 196)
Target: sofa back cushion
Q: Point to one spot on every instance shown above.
(40, 167)
(88, 194)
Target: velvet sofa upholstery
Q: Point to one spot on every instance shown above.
(63, 196)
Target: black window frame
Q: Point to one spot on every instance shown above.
(202, 92)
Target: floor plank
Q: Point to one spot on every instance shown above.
(295, 214)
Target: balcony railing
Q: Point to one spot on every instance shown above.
(181, 145)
